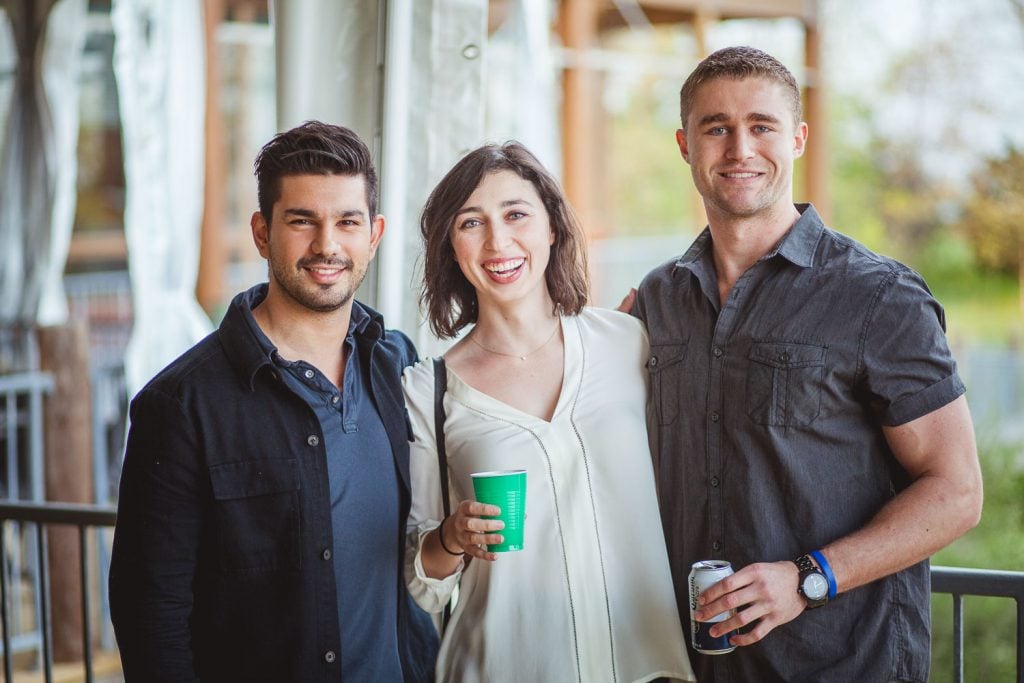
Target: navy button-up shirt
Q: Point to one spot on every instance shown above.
(364, 508)
(766, 414)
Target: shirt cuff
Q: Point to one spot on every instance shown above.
(432, 594)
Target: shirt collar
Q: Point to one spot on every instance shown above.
(797, 245)
(249, 349)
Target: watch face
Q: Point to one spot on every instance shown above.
(815, 586)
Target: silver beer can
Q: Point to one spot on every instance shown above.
(703, 575)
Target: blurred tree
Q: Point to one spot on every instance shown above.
(993, 216)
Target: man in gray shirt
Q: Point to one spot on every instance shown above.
(808, 421)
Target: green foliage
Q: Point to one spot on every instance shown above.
(653, 190)
(996, 543)
(993, 217)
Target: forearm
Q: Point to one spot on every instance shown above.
(439, 563)
(924, 518)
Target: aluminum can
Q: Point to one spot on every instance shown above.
(703, 575)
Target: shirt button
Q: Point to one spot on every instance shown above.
(313, 440)
(326, 554)
(329, 656)
(714, 417)
(718, 352)
(716, 546)
(784, 357)
(308, 374)
(714, 482)
(654, 361)
(334, 400)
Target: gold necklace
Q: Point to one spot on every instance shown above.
(551, 336)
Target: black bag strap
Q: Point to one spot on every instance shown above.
(440, 387)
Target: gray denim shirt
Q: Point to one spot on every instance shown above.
(766, 416)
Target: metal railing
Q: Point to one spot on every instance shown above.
(84, 517)
(982, 582)
(955, 581)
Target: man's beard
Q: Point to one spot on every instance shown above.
(319, 298)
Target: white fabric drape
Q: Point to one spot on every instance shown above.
(434, 89)
(159, 66)
(521, 65)
(40, 127)
(418, 110)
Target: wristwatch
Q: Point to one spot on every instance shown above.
(812, 585)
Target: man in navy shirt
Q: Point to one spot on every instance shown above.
(266, 479)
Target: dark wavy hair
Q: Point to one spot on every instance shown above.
(313, 148)
(737, 63)
(447, 296)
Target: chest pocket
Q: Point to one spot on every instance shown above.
(666, 368)
(256, 513)
(784, 383)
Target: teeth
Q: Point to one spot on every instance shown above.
(505, 266)
(740, 175)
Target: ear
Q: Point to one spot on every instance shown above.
(684, 150)
(800, 140)
(376, 232)
(260, 234)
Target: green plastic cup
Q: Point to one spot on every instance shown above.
(507, 490)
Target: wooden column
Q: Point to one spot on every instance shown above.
(64, 353)
(816, 156)
(212, 249)
(580, 105)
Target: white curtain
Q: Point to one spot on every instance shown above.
(159, 66)
(419, 108)
(434, 106)
(523, 89)
(37, 194)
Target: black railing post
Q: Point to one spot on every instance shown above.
(44, 603)
(958, 638)
(4, 618)
(83, 553)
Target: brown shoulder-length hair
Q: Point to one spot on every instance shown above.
(448, 297)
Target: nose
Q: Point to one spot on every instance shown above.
(498, 235)
(324, 242)
(740, 145)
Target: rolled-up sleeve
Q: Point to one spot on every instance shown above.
(907, 366)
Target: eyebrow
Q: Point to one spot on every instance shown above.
(309, 213)
(505, 204)
(721, 117)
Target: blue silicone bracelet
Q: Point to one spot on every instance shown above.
(827, 570)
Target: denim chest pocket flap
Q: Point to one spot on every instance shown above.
(256, 514)
(784, 382)
(666, 368)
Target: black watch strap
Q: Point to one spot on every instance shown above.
(805, 565)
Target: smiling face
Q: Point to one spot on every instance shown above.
(320, 241)
(741, 142)
(502, 240)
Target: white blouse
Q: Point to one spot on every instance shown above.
(590, 596)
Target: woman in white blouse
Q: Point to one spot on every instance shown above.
(542, 383)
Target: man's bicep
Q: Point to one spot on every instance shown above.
(939, 443)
